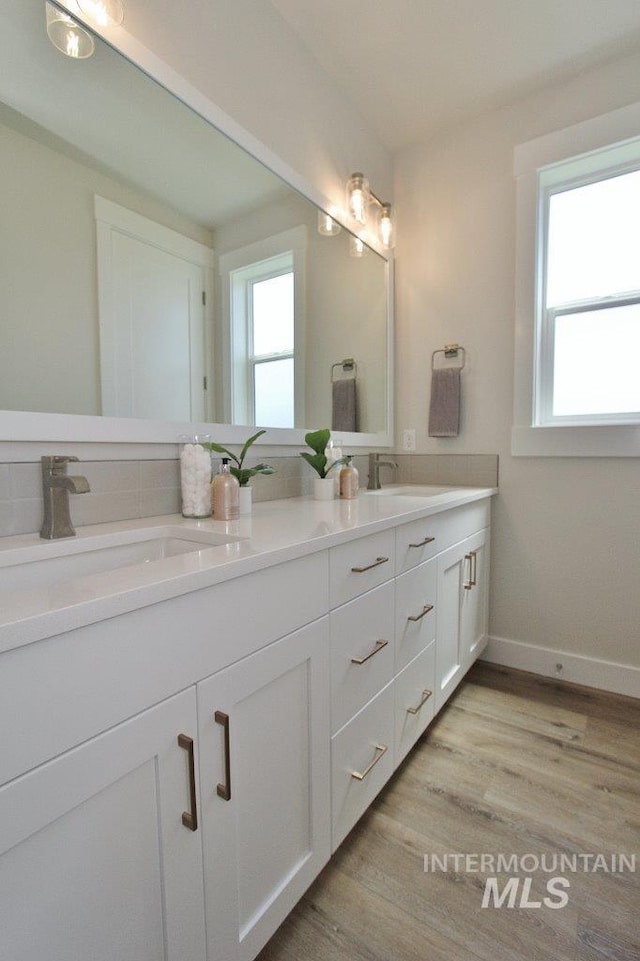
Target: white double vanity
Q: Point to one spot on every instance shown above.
(195, 714)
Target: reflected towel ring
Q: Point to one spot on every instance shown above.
(348, 366)
(449, 351)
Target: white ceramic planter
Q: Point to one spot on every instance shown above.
(324, 488)
(246, 500)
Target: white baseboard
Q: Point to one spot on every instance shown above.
(590, 671)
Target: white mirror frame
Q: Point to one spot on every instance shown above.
(136, 438)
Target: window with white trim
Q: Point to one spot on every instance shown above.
(263, 323)
(264, 330)
(589, 293)
(577, 321)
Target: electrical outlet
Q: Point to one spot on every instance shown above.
(409, 439)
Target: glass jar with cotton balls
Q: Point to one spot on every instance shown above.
(195, 474)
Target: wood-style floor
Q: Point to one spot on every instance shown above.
(515, 764)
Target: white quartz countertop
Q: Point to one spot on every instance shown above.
(275, 532)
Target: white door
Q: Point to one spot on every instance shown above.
(95, 860)
(264, 749)
(153, 289)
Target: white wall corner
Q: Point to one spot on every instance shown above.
(576, 668)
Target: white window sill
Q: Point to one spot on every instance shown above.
(566, 441)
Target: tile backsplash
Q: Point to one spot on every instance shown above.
(124, 490)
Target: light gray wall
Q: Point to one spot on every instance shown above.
(566, 539)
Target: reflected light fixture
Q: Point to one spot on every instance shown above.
(360, 198)
(357, 246)
(327, 226)
(67, 35)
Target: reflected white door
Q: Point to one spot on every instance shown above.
(153, 343)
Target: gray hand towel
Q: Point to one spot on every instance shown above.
(444, 409)
(345, 412)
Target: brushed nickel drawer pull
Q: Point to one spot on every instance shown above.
(418, 617)
(190, 818)
(381, 750)
(474, 555)
(425, 697)
(427, 540)
(378, 647)
(378, 561)
(224, 790)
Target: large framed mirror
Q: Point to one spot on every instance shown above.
(157, 277)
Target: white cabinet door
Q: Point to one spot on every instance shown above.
(476, 598)
(461, 611)
(95, 860)
(264, 748)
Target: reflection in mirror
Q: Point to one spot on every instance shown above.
(154, 269)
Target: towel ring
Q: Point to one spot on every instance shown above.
(450, 350)
(348, 366)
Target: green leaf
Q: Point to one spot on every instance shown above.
(248, 444)
(317, 461)
(318, 440)
(219, 449)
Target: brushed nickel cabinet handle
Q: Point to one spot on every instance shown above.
(418, 617)
(378, 561)
(381, 750)
(427, 540)
(472, 557)
(469, 584)
(377, 647)
(224, 790)
(190, 818)
(425, 697)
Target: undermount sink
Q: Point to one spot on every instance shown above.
(412, 490)
(52, 563)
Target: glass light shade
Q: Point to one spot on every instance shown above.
(386, 227)
(327, 226)
(102, 12)
(67, 35)
(358, 197)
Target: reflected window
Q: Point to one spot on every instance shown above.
(266, 330)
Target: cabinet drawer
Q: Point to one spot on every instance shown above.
(361, 762)
(360, 565)
(362, 651)
(419, 540)
(415, 611)
(414, 700)
(413, 540)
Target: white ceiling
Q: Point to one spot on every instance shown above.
(413, 67)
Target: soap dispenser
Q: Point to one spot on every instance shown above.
(349, 480)
(225, 494)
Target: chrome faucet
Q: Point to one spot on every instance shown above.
(56, 487)
(374, 471)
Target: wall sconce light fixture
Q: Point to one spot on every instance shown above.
(360, 198)
(67, 35)
(102, 12)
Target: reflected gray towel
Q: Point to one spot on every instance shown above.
(444, 409)
(345, 411)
